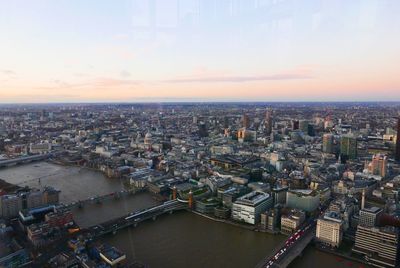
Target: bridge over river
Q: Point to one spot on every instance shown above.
(135, 218)
(100, 199)
(290, 249)
(23, 160)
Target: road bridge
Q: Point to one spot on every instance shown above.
(290, 249)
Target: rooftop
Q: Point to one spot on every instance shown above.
(253, 198)
(373, 210)
(111, 253)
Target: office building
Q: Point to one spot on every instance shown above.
(346, 207)
(307, 200)
(279, 193)
(311, 130)
(37, 233)
(222, 212)
(230, 195)
(207, 206)
(40, 148)
(270, 220)
(348, 146)
(274, 219)
(244, 134)
(330, 229)
(327, 143)
(378, 166)
(203, 132)
(378, 245)
(295, 124)
(292, 220)
(397, 154)
(32, 199)
(268, 122)
(369, 216)
(61, 217)
(10, 205)
(249, 207)
(51, 196)
(303, 126)
(264, 220)
(245, 121)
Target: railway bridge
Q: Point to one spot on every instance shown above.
(134, 218)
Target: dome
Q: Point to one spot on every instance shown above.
(147, 138)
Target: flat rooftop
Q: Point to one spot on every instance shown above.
(253, 198)
(303, 191)
(372, 209)
(111, 253)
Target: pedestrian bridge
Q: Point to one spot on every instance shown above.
(98, 199)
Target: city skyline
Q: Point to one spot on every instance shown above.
(185, 51)
(200, 185)
(200, 133)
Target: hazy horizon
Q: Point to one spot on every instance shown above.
(199, 102)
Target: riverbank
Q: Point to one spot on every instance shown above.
(74, 182)
(247, 227)
(65, 164)
(341, 255)
(237, 224)
(6, 187)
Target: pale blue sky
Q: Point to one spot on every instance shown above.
(98, 50)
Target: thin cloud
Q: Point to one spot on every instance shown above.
(101, 82)
(207, 77)
(240, 79)
(8, 72)
(113, 82)
(121, 36)
(81, 75)
(125, 73)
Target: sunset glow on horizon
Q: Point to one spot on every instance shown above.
(199, 50)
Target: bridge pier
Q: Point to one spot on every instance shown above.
(171, 211)
(154, 218)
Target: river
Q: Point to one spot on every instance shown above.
(181, 239)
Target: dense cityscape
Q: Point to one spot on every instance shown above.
(299, 176)
(199, 133)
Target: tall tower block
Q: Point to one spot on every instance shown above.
(397, 155)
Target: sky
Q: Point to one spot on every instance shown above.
(199, 50)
